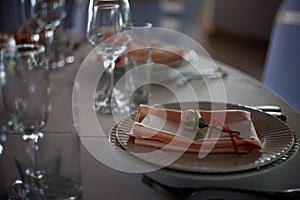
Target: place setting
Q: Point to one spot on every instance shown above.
(270, 141)
(157, 135)
(261, 141)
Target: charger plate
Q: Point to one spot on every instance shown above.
(277, 140)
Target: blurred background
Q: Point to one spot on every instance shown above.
(233, 31)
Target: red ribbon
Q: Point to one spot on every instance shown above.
(217, 122)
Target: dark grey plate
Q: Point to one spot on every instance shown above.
(277, 139)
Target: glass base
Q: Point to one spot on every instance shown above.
(70, 190)
(105, 105)
(57, 63)
(17, 190)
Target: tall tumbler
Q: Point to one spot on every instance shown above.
(70, 166)
(138, 64)
(39, 172)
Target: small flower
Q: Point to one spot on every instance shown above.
(190, 118)
(193, 120)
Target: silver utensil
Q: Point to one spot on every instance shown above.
(174, 193)
(185, 79)
(272, 110)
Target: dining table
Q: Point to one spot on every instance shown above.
(101, 181)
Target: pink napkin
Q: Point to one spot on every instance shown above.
(166, 128)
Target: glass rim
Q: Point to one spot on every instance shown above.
(139, 25)
(108, 5)
(30, 48)
(109, 0)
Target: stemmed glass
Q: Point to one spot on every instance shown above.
(7, 44)
(48, 15)
(30, 27)
(103, 24)
(124, 9)
(26, 94)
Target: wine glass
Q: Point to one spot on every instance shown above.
(104, 23)
(48, 14)
(124, 9)
(26, 95)
(7, 44)
(31, 30)
(26, 92)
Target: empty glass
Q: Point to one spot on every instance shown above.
(123, 5)
(26, 92)
(102, 28)
(7, 44)
(39, 174)
(31, 30)
(45, 15)
(138, 64)
(70, 166)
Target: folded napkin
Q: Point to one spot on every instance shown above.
(161, 54)
(168, 129)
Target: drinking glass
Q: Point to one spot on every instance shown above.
(104, 23)
(26, 92)
(7, 45)
(70, 166)
(39, 174)
(138, 64)
(124, 9)
(31, 30)
(48, 14)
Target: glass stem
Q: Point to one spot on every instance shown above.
(35, 148)
(49, 38)
(33, 139)
(110, 80)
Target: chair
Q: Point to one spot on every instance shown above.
(282, 66)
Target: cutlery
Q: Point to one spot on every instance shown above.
(173, 193)
(272, 110)
(185, 79)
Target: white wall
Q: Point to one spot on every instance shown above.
(246, 18)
